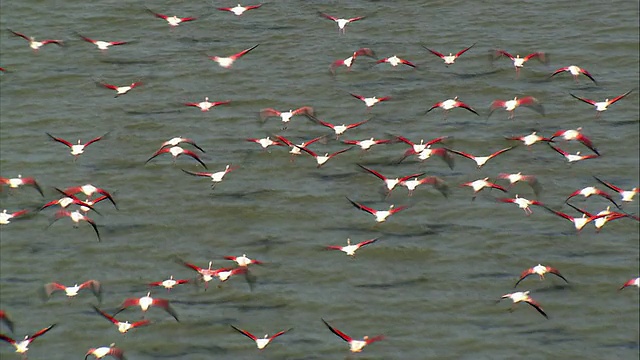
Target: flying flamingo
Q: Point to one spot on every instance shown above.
(123, 326)
(208, 274)
(102, 45)
(380, 215)
(266, 142)
(395, 61)
(571, 157)
(366, 144)
(605, 216)
(481, 160)
(633, 282)
(530, 139)
(146, 302)
(178, 140)
(417, 148)
(5, 217)
(225, 273)
(15, 183)
(227, 62)
(540, 270)
(216, 177)
(575, 135)
(206, 105)
(578, 222)
(531, 180)
(370, 101)
(23, 346)
(451, 104)
(338, 129)
(103, 351)
(390, 183)
(243, 260)
(601, 105)
(76, 149)
(351, 249)
(355, 346)
(173, 21)
(36, 45)
(342, 23)
(348, 62)
(322, 159)
(518, 62)
(523, 203)
(296, 148)
(480, 184)
(261, 343)
(72, 291)
(575, 71)
(438, 183)
(169, 283)
(120, 90)
(239, 9)
(176, 151)
(76, 217)
(520, 296)
(285, 116)
(88, 190)
(511, 105)
(591, 190)
(627, 195)
(451, 58)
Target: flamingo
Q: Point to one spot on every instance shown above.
(15, 183)
(103, 351)
(451, 104)
(520, 296)
(76, 149)
(355, 346)
(173, 21)
(227, 62)
(146, 302)
(348, 62)
(23, 346)
(627, 195)
(518, 62)
(451, 58)
(216, 177)
(574, 71)
(176, 151)
(576, 134)
(261, 343)
(511, 105)
(351, 249)
(102, 45)
(342, 23)
(601, 105)
(239, 9)
(34, 44)
(123, 327)
(72, 291)
(379, 215)
(120, 90)
(206, 105)
(540, 270)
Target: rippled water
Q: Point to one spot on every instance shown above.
(429, 284)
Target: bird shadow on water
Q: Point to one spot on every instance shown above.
(556, 287)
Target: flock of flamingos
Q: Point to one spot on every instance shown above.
(70, 204)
